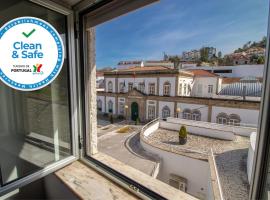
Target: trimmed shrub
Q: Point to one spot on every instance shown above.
(183, 132)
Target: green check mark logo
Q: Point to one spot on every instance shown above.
(27, 35)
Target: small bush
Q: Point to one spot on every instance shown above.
(124, 129)
(183, 132)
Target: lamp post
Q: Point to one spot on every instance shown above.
(178, 110)
(126, 109)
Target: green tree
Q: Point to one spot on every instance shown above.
(260, 60)
(175, 60)
(219, 54)
(204, 51)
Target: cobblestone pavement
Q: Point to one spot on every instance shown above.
(230, 156)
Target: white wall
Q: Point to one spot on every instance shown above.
(237, 71)
(107, 80)
(202, 108)
(198, 129)
(247, 116)
(171, 80)
(204, 82)
(136, 82)
(102, 98)
(107, 106)
(196, 172)
(166, 103)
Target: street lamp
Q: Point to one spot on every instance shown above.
(178, 110)
(126, 109)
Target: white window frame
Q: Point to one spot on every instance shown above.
(152, 88)
(151, 112)
(110, 86)
(166, 89)
(121, 87)
(130, 86)
(74, 106)
(166, 112)
(210, 89)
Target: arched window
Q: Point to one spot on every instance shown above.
(121, 108)
(196, 115)
(166, 89)
(99, 105)
(187, 114)
(222, 118)
(166, 112)
(110, 106)
(122, 87)
(234, 120)
(110, 86)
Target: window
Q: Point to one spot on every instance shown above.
(36, 127)
(122, 87)
(196, 115)
(186, 114)
(152, 89)
(130, 86)
(121, 108)
(141, 87)
(222, 118)
(210, 89)
(234, 120)
(180, 89)
(110, 86)
(166, 89)
(110, 106)
(166, 112)
(99, 105)
(151, 112)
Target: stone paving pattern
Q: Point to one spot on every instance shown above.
(230, 156)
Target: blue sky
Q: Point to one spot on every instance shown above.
(173, 26)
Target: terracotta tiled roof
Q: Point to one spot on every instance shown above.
(99, 73)
(150, 68)
(201, 72)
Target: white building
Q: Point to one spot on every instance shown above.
(151, 92)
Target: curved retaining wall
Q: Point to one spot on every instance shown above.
(197, 172)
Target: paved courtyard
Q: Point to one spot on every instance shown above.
(126, 148)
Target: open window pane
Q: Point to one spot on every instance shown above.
(34, 126)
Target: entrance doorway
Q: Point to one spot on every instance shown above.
(134, 111)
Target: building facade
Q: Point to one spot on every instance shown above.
(159, 92)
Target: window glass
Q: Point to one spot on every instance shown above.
(34, 126)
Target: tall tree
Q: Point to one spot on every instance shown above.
(219, 54)
(204, 51)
